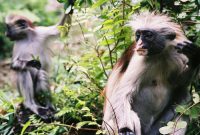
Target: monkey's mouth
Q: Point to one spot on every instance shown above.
(142, 51)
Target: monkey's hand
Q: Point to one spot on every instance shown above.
(191, 51)
(126, 131)
(129, 123)
(34, 63)
(18, 64)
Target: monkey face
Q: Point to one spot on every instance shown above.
(17, 30)
(150, 42)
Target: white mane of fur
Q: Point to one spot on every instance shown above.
(157, 21)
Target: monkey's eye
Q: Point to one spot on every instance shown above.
(22, 24)
(148, 34)
(137, 36)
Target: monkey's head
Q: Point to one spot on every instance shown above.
(155, 32)
(17, 27)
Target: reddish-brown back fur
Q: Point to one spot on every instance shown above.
(123, 62)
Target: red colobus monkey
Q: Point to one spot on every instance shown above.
(32, 78)
(150, 77)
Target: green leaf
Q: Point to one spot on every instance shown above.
(181, 109)
(80, 124)
(100, 132)
(88, 115)
(27, 124)
(61, 1)
(181, 124)
(85, 109)
(184, 0)
(194, 112)
(68, 9)
(2, 127)
(166, 130)
(99, 3)
(107, 27)
(110, 21)
(90, 2)
(196, 98)
(63, 111)
(80, 104)
(92, 123)
(170, 124)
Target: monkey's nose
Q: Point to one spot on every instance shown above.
(140, 43)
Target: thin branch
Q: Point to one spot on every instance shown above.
(190, 22)
(113, 112)
(92, 80)
(176, 122)
(106, 124)
(112, 2)
(123, 17)
(110, 52)
(81, 28)
(102, 65)
(128, 4)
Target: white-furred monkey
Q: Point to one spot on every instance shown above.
(151, 76)
(32, 77)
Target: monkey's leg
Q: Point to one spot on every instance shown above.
(167, 115)
(26, 89)
(42, 87)
(119, 116)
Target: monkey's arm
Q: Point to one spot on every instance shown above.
(192, 51)
(118, 112)
(18, 64)
(167, 115)
(52, 31)
(67, 18)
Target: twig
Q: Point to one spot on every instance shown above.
(92, 80)
(113, 112)
(110, 52)
(128, 4)
(106, 124)
(190, 22)
(112, 2)
(176, 122)
(102, 65)
(81, 28)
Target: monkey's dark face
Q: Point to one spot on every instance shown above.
(150, 42)
(17, 30)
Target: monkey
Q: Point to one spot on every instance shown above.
(150, 78)
(31, 61)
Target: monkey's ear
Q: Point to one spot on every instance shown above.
(168, 33)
